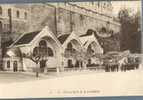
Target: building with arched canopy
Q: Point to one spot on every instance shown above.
(71, 48)
(28, 44)
(59, 53)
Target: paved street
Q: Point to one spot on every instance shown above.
(79, 84)
(7, 77)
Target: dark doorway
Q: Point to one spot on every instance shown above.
(8, 64)
(1, 29)
(81, 64)
(15, 66)
(88, 63)
(42, 65)
(70, 65)
(77, 64)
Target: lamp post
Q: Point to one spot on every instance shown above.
(39, 53)
(37, 59)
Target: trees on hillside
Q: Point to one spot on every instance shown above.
(130, 37)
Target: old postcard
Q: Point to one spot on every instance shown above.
(71, 49)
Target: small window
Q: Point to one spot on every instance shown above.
(42, 43)
(5, 27)
(103, 29)
(25, 15)
(0, 10)
(98, 4)
(9, 12)
(50, 52)
(81, 17)
(104, 4)
(17, 14)
(69, 46)
(8, 64)
(1, 27)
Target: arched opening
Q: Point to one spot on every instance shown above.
(10, 19)
(42, 43)
(70, 63)
(8, 64)
(17, 14)
(94, 48)
(72, 48)
(89, 63)
(45, 49)
(52, 44)
(111, 32)
(50, 52)
(90, 50)
(89, 31)
(46, 52)
(1, 10)
(69, 46)
(9, 12)
(103, 30)
(25, 15)
(1, 28)
(72, 52)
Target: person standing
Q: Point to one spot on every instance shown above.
(15, 66)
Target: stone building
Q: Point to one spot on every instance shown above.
(68, 51)
(12, 20)
(63, 20)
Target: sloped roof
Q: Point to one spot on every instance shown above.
(62, 38)
(26, 38)
(107, 43)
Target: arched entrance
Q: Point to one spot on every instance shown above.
(70, 63)
(90, 50)
(72, 53)
(45, 50)
(48, 51)
(94, 48)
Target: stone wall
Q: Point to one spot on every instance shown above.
(59, 19)
(42, 15)
(63, 21)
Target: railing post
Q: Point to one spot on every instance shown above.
(37, 70)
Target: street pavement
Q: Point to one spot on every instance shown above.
(71, 84)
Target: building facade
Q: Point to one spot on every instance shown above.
(68, 51)
(64, 20)
(12, 20)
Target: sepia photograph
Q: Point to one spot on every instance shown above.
(71, 49)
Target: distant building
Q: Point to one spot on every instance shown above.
(12, 20)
